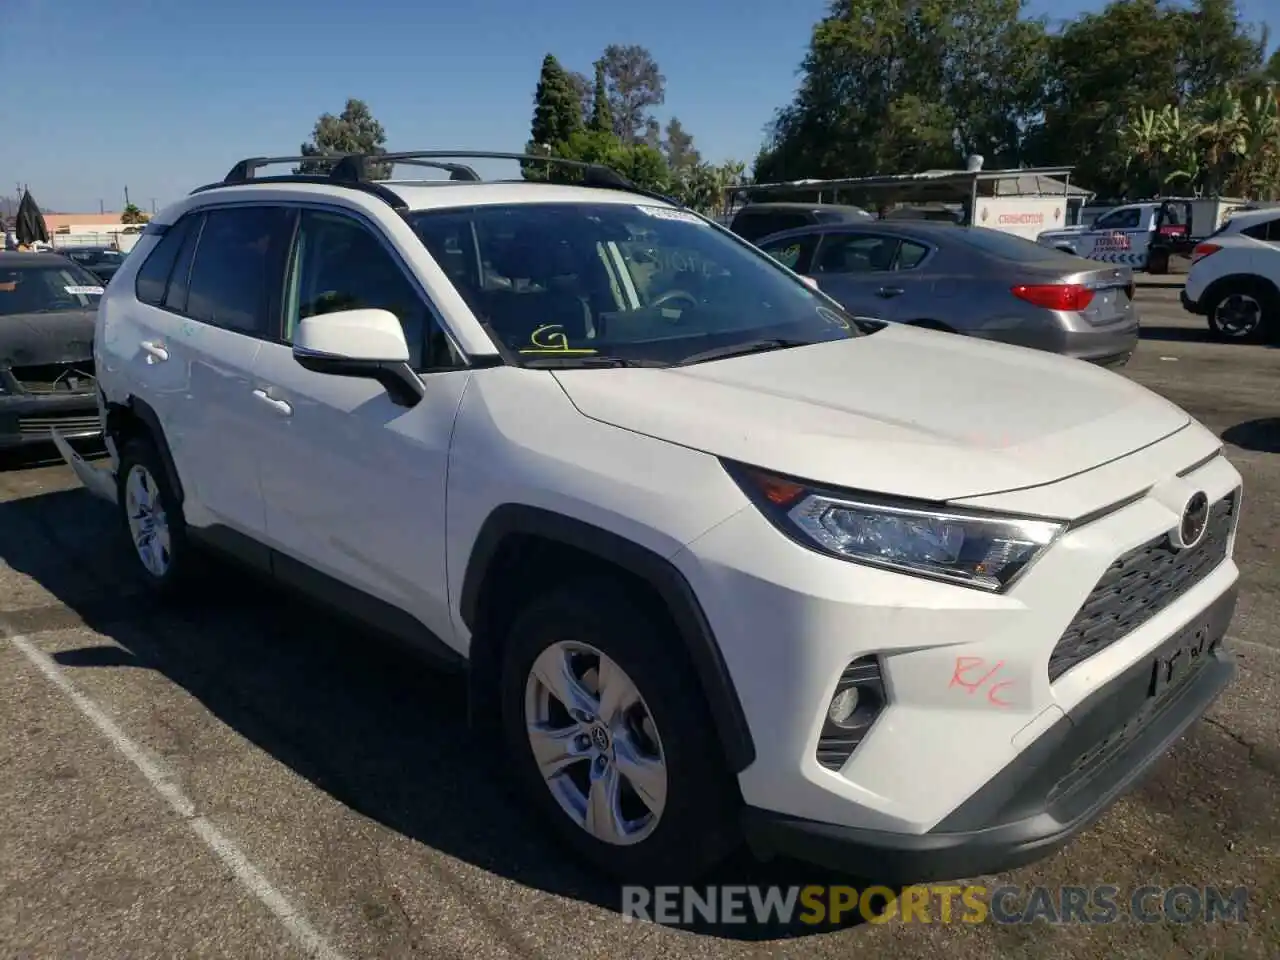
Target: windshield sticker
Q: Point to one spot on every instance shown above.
(666, 213)
(84, 291)
(550, 338)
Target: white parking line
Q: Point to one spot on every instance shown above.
(220, 844)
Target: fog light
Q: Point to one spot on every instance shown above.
(858, 700)
(843, 706)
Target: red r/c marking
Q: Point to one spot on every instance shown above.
(969, 676)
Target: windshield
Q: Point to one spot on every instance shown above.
(47, 289)
(104, 257)
(632, 282)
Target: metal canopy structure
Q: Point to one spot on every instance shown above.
(931, 186)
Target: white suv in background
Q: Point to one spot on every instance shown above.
(1234, 279)
(721, 561)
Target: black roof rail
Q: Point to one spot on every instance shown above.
(247, 168)
(352, 170)
(354, 167)
(371, 187)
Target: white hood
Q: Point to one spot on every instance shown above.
(905, 412)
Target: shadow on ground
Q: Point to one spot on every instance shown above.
(1171, 334)
(1260, 436)
(46, 455)
(379, 732)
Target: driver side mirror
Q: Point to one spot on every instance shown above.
(368, 344)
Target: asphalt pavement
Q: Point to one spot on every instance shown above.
(250, 779)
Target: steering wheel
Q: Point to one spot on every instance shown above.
(662, 299)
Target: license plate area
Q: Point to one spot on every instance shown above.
(1183, 656)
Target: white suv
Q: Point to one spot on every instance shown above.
(722, 561)
(1234, 280)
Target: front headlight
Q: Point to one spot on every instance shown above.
(964, 547)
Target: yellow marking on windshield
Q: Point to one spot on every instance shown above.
(550, 338)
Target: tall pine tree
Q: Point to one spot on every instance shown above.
(557, 112)
(601, 113)
(557, 116)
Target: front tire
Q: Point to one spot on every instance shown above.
(152, 519)
(610, 737)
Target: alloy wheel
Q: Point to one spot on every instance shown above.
(148, 525)
(595, 743)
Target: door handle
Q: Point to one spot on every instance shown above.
(888, 292)
(154, 351)
(280, 406)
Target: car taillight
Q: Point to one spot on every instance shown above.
(1203, 250)
(1055, 296)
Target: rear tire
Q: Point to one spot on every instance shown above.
(1244, 311)
(681, 819)
(152, 519)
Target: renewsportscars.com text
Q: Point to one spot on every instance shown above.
(933, 903)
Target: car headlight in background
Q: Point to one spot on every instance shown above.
(970, 549)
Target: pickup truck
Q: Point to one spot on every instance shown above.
(1142, 236)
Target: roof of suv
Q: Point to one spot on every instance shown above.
(428, 195)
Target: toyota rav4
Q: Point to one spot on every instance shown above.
(723, 563)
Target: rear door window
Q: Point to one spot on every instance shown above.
(239, 268)
(1267, 230)
(794, 253)
(153, 275)
(846, 253)
(910, 254)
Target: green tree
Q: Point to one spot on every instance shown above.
(1272, 70)
(557, 115)
(557, 111)
(1106, 68)
(133, 214)
(677, 145)
(353, 131)
(601, 113)
(635, 84)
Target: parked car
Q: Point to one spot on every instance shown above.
(101, 261)
(995, 598)
(969, 280)
(47, 308)
(1234, 280)
(757, 220)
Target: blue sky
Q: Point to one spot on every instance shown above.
(163, 96)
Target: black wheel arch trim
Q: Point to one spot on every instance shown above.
(151, 420)
(1234, 280)
(660, 574)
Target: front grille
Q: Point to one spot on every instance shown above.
(75, 377)
(1138, 586)
(79, 423)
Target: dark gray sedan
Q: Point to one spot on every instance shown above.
(969, 280)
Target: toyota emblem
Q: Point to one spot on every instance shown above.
(1195, 517)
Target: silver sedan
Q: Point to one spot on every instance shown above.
(969, 280)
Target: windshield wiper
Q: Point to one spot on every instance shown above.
(741, 349)
(547, 362)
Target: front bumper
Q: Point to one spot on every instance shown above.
(27, 419)
(1189, 305)
(789, 621)
(1059, 786)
